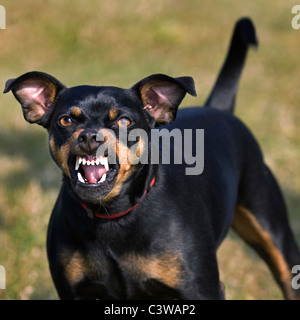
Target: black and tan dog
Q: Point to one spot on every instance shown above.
(138, 230)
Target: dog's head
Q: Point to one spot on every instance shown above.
(91, 129)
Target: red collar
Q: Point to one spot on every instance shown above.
(93, 214)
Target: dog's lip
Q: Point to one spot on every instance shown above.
(92, 170)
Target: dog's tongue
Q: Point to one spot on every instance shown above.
(93, 173)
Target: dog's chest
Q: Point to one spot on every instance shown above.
(128, 276)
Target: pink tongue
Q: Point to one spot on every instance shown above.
(93, 173)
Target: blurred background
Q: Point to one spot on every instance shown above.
(117, 43)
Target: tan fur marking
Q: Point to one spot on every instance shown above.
(76, 112)
(113, 114)
(139, 151)
(165, 268)
(144, 90)
(124, 154)
(246, 225)
(61, 154)
(124, 173)
(74, 266)
(75, 135)
(126, 169)
(53, 90)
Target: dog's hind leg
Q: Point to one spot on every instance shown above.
(261, 220)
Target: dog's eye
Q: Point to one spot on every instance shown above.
(65, 121)
(123, 122)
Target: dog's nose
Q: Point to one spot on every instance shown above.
(87, 141)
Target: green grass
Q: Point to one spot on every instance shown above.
(117, 43)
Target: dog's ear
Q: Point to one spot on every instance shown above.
(37, 93)
(161, 95)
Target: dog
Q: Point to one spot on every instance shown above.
(143, 230)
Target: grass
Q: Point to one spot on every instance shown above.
(119, 42)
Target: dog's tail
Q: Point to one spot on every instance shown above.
(223, 94)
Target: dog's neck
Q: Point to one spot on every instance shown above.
(96, 214)
(132, 194)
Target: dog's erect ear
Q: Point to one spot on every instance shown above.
(36, 92)
(161, 95)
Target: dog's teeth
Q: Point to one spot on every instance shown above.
(96, 162)
(103, 178)
(77, 164)
(80, 178)
(106, 164)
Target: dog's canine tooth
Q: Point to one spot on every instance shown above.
(79, 160)
(80, 178)
(77, 163)
(105, 163)
(103, 178)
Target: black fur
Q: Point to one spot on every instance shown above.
(164, 243)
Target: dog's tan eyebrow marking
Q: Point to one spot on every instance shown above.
(113, 114)
(76, 112)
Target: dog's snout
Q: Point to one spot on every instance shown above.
(87, 141)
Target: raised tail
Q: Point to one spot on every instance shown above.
(223, 94)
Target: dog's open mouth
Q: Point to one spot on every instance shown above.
(93, 170)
